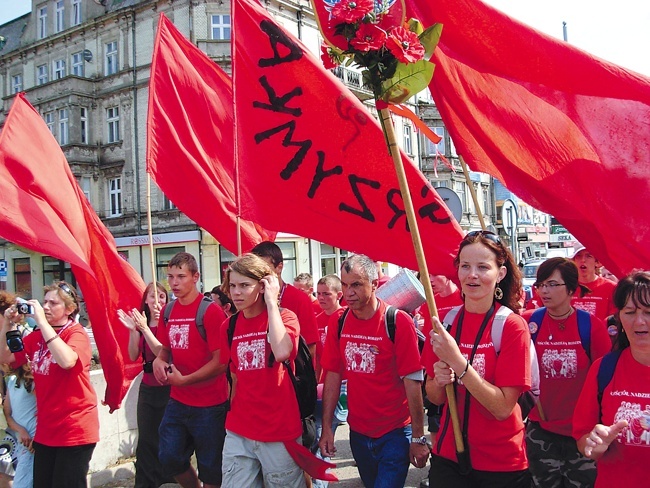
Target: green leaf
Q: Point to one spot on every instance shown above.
(408, 80)
(415, 26)
(429, 39)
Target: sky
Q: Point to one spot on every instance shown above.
(616, 30)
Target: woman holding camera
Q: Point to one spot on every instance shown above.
(152, 396)
(60, 354)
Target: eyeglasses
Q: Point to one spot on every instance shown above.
(490, 236)
(66, 289)
(552, 285)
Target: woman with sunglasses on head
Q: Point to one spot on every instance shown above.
(152, 396)
(68, 422)
(487, 382)
(611, 421)
(567, 342)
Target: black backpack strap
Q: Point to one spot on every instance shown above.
(342, 321)
(605, 375)
(168, 311)
(389, 318)
(200, 315)
(232, 321)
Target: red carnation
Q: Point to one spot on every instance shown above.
(326, 57)
(351, 11)
(405, 45)
(368, 37)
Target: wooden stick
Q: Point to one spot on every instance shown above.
(472, 190)
(151, 258)
(393, 148)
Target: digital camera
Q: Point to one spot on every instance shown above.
(24, 308)
(15, 340)
(147, 367)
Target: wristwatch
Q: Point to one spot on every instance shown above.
(419, 440)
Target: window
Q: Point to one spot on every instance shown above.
(163, 256)
(23, 277)
(59, 16)
(78, 64)
(220, 27)
(41, 74)
(16, 83)
(115, 197)
(42, 23)
(49, 121)
(76, 12)
(84, 184)
(84, 124)
(331, 259)
(433, 149)
(55, 270)
(111, 58)
(168, 204)
(113, 121)
(408, 145)
(64, 133)
(59, 69)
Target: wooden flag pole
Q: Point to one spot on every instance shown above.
(393, 148)
(151, 258)
(470, 184)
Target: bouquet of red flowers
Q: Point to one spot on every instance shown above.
(372, 34)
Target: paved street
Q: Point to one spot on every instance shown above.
(345, 471)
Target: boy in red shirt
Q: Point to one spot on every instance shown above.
(598, 301)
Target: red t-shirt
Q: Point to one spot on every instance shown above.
(322, 320)
(264, 407)
(444, 305)
(374, 367)
(599, 301)
(65, 399)
(190, 352)
(315, 306)
(626, 397)
(563, 366)
(494, 445)
(148, 378)
(300, 304)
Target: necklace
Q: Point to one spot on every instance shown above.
(561, 323)
(562, 315)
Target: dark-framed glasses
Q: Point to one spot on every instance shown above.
(552, 285)
(489, 235)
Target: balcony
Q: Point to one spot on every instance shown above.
(354, 81)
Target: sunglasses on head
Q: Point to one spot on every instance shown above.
(490, 236)
(66, 289)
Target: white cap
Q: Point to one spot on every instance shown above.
(577, 249)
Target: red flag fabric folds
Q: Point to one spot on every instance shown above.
(43, 209)
(314, 161)
(190, 134)
(565, 131)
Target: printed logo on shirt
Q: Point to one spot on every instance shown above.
(360, 357)
(179, 336)
(323, 335)
(250, 354)
(637, 432)
(560, 363)
(41, 365)
(587, 304)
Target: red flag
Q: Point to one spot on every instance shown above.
(565, 131)
(314, 161)
(190, 137)
(43, 209)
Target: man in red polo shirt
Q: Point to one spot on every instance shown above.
(598, 301)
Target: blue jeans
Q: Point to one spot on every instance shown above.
(382, 462)
(200, 429)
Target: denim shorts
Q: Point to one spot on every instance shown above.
(185, 429)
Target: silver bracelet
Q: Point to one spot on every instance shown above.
(460, 377)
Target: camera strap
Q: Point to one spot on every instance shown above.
(44, 351)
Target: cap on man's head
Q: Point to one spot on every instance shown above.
(577, 249)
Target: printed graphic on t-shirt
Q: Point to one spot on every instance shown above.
(250, 354)
(637, 431)
(41, 365)
(560, 363)
(478, 363)
(323, 335)
(360, 357)
(179, 336)
(587, 304)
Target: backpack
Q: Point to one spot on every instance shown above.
(389, 322)
(304, 380)
(604, 377)
(200, 314)
(584, 327)
(528, 399)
